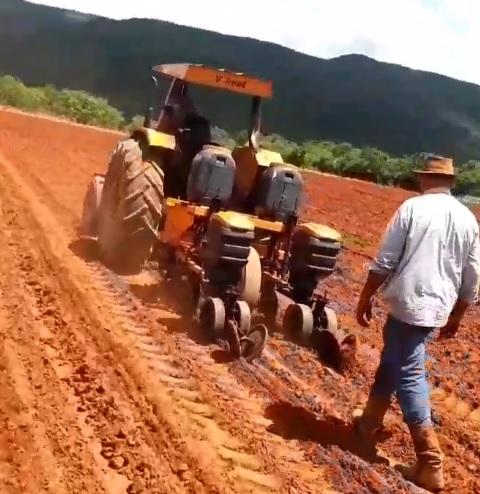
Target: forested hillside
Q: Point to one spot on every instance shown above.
(350, 98)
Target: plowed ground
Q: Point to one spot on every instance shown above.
(106, 387)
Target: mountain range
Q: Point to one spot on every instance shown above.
(351, 98)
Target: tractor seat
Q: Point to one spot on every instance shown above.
(194, 134)
(191, 137)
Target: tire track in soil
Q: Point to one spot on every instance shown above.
(331, 403)
(326, 441)
(68, 216)
(277, 388)
(67, 388)
(236, 466)
(173, 447)
(34, 378)
(307, 470)
(22, 440)
(339, 394)
(291, 401)
(205, 388)
(226, 384)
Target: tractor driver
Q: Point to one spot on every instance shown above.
(174, 113)
(192, 131)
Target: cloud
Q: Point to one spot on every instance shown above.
(435, 35)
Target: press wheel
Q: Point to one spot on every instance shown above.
(242, 316)
(329, 319)
(298, 321)
(212, 315)
(331, 342)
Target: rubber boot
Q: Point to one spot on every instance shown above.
(427, 472)
(371, 420)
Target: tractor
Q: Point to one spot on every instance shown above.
(229, 219)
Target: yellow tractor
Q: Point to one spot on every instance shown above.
(228, 219)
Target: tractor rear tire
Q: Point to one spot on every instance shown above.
(131, 208)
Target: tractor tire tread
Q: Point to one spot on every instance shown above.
(133, 203)
(136, 194)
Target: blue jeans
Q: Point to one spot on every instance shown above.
(402, 370)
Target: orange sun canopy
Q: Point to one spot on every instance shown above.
(235, 82)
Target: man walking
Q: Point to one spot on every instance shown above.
(429, 266)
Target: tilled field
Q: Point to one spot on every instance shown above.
(105, 385)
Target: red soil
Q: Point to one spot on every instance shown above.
(106, 388)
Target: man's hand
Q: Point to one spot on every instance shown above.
(365, 304)
(365, 311)
(450, 330)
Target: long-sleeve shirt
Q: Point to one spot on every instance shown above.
(431, 253)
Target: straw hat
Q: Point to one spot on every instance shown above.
(437, 165)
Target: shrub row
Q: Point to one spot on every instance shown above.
(366, 163)
(343, 159)
(78, 106)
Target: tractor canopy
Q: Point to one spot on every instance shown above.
(236, 82)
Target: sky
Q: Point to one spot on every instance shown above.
(440, 36)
